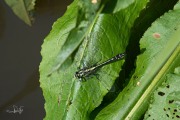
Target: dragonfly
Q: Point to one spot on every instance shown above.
(87, 71)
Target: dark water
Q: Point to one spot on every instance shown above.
(20, 57)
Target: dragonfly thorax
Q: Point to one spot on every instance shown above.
(79, 74)
(84, 72)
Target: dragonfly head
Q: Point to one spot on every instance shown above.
(79, 74)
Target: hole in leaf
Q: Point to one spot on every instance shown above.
(171, 101)
(177, 116)
(167, 86)
(161, 93)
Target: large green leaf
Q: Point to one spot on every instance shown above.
(102, 36)
(85, 15)
(23, 9)
(166, 99)
(160, 48)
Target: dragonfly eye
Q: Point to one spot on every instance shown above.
(77, 75)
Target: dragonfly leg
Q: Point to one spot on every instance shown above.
(97, 76)
(83, 79)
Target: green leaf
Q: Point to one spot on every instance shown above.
(166, 100)
(68, 47)
(160, 47)
(177, 71)
(86, 14)
(121, 4)
(23, 9)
